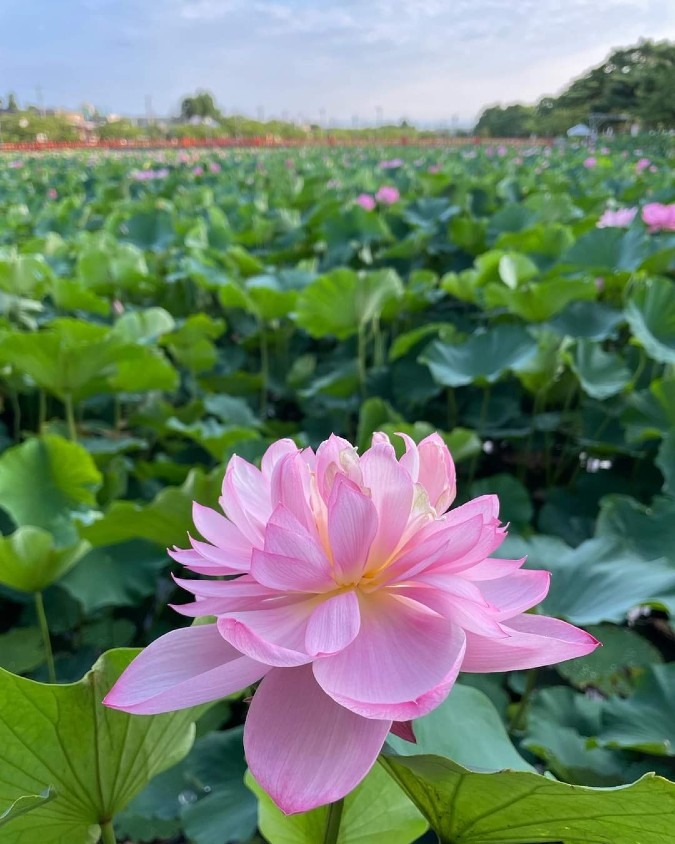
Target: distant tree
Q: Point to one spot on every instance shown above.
(200, 105)
(12, 104)
(514, 121)
(637, 81)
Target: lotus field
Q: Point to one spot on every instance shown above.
(404, 419)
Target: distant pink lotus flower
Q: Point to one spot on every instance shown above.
(214, 167)
(52, 193)
(434, 168)
(356, 595)
(198, 171)
(366, 201)
(391, 164)
(642, 164)
(659, 217)
(502, 150)
(590, 162)
(387, 195)
(619, 219)
(16, 164)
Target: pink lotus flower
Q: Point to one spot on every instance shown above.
(391, 164)
(659, 217)
(619, 219)
(590, 162)
(356, 595)
(366, 201)
(214, 167)
(198, 171)
(387, 195)
(642, 164)
(52, 193)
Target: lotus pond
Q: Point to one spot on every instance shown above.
(162, 312)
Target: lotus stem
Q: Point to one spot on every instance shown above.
(70, 417)
(333, 820)
(264, 371)
(46, 639)
(108, 833)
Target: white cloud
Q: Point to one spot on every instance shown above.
(207, 10)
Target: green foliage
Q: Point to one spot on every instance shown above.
(151, 327)
(527, 807)
(95, 760)
(375, 811)
(633, 84)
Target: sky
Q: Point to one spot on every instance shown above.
(356, 62)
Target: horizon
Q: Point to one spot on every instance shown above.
(287, 60)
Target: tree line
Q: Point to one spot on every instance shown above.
(635, 82)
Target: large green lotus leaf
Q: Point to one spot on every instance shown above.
(211, 435)
(111, 267)
(231, 410)
(242, 262)
(589, 320)
(70, 358)
(141, 368)
(21, 649)
(609, 250)
(651, 412)
(121, 575)
(540, 301)
(409, 339)
(484, 358)
(561, 724)
(75, 296)
(273, 296)
(375, 812)
(429, 212)
(26, 803)
(30, 562)
(601, 374)
(643, 721)
(550, 240)
(601, 580)
(149, 230)
(165, 521)
(191, 345)
(545, 367)
(144, 326)
(647, 531)
(650, 311)
(665, 460)
(95, 759)
(515, 269)
(339, 303)
(514, 807)
(25, 275)
(613, 668)
(45, 481)
(482, 742)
